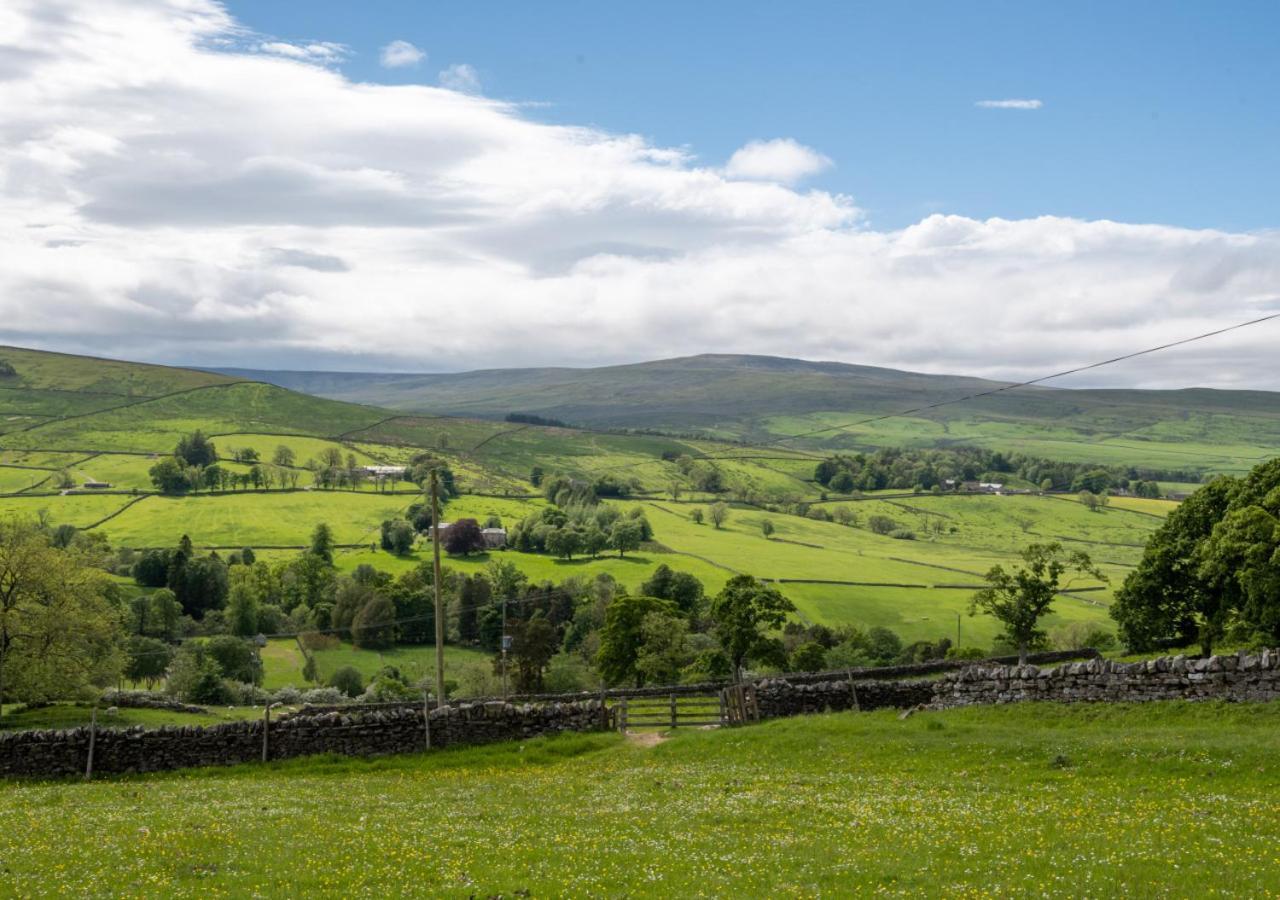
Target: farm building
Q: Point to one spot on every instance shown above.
(494, 538)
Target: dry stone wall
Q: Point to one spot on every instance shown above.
(1244, 676)
(353, 733)
(778, 697)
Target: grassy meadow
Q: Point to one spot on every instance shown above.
(282, 661)
(1038, 800)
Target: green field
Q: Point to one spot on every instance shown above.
(67, 715)
(251, 519)
(283, 661)
(1153, 800)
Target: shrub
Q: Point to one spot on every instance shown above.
(902, 534)
(324, 696)
(881, 524)
(288, 695)
(966, 653)
(347, 680)
(210, 690)
(243, 694)
(810, 657)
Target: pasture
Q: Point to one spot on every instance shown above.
(1035, 799)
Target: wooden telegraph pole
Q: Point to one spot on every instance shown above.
(435, 554)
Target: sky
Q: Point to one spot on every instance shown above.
(995, 189)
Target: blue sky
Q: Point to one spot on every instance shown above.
(1152, 112)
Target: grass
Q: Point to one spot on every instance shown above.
(283, 662)
(252, 518)
(68, 715)
(1052, 801)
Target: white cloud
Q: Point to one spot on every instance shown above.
(1010, 104)
(323, 52)
(158, 202)
(782, 160)
(399, 54)
(461, 77)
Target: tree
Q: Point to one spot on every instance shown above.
(1090, 500)
(200, 584)
(564, 542)
(398, 536)
(374, 627)
(196, 450)
(474, 594)
(882, 524)
(348, 680)
(718, 512)
(1019, 599)
(766, 528)
(809, 657)
(535, 476)
(146, 660)
(664, 647)
(621, 637)
(1171, 598)
(742, 612)
(237, 658)
(463, 538)
(626, 535)
(242, 609)
(59, 632)
(533, 643)
(322, 543)
(681, 588)
(168, 476)
(696, 515)
(163, 614)
(284, 456)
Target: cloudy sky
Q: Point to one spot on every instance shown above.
(294, 185)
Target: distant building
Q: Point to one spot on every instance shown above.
(97, 485)
(494, 538)
(990, 487)
(443, 529)
(385, 471)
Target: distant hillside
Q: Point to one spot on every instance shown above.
(766, 398)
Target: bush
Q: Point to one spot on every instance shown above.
(243, 694)
(881, 524)
(966, 653)
(210, 690)
(288, 695)
(902, 534)
(236, 658)
(325, 696)
(810, 657)
(348, 681)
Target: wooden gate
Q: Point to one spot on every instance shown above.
(651, 711)
(739, 704)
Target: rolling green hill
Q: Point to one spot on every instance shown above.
(766, 399)
(127, 416)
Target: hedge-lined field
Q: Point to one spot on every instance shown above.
(1154, 800)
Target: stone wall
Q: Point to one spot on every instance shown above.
(778, 697)
(354, 733)
(1243, 676)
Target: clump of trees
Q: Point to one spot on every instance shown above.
(909, 469)
(580, 529)
(1212, 570)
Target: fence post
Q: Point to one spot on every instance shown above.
(426, 715)
(853, 692)
(93, 735)
(622, 717)
(266, 728)
(673, 711)
(724, 719)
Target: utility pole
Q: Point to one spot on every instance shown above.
(435, 554)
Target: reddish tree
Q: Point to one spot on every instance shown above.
(463, 537)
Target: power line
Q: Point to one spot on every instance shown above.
(1033, 381)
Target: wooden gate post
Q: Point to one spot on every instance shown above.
(853, 692)
(93, 734)
(622, 716)
(426, 715)
(673, 711)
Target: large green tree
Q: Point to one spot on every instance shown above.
(744, 612)
(60, 632)
(1170, 599)
(621, 637)
(1018, 600)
